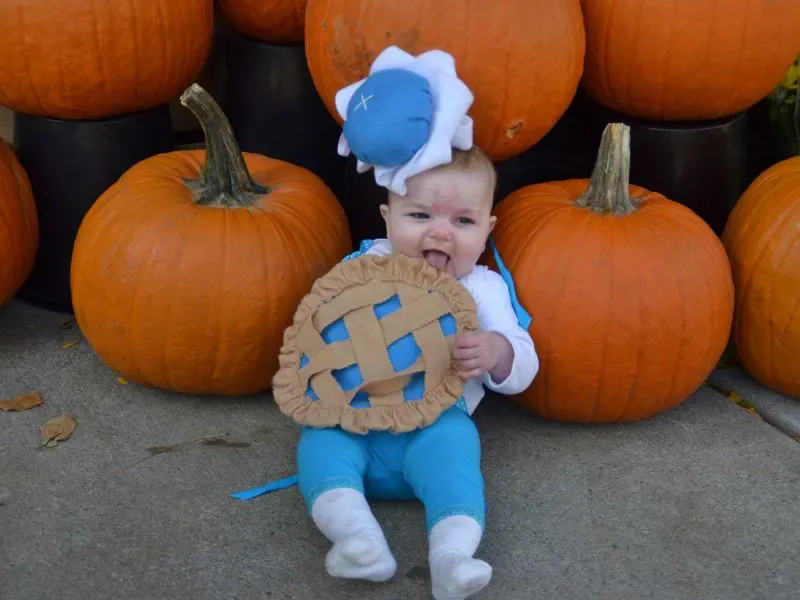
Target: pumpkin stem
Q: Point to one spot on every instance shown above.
(225, 179)
(608, 191)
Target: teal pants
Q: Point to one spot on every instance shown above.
(439, 465)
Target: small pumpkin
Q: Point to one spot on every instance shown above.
(762, 238)
(187, 270)
(630, 293)
(19, 225)
(522, 59)
(83, 59)
(684, 59)
(273, 21)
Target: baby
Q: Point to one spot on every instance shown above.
(446, 219)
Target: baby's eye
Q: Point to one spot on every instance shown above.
(465, 221)
(418, 215)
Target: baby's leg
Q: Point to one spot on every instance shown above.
(443, 466)
(330, 468)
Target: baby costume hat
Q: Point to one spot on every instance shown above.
(406, 116)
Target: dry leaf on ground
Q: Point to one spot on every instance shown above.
(69, 324)
(57, 430)
(122, 380)
(744, 403)
(70, 344)
(23, 402)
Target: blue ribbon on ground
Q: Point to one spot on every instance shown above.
(273, 486)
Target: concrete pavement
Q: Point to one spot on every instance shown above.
(698, 503)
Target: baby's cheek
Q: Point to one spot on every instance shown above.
(401, 241)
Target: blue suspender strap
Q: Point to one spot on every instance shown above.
(362, 248)
(522, 315)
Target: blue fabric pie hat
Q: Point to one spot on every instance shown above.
(389, 117)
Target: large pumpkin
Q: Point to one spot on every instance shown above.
(630, 293)
(273, 21)
(19, 226)
(762, 238)
(188, 269)
(522, 59)
(84, 59)
(687, 59)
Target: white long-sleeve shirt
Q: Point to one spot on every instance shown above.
(495, 313)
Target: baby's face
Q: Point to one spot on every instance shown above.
(445, 218)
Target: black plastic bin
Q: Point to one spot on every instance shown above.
(275, 110)
(70, 164)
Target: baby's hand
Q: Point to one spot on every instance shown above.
(479, 352)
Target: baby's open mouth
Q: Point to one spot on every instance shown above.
(436, 258)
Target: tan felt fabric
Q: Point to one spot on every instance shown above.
(350, 291)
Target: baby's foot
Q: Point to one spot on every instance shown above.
(363, 555)
(456, 576)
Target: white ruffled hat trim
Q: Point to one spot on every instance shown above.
(450, 127)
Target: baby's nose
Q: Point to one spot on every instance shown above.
(441, 231)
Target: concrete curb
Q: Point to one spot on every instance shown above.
(782, 412)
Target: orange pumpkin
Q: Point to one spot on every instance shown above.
(187, 270)
(630, 293)
(684, 59)
(19, 226)
(522, 59)
(762, 238)
(83, 59)
(273, 21)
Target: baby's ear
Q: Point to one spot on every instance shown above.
(384, 208)
(492, 221)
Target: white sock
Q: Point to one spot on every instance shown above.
(359, 548)
(455, 574)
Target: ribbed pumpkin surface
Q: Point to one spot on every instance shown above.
(187, 270)
(86, 59)
(687, 59)
(630, 312)
(762, 238)
(275, 21)
(522, 59)
(19, 226)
